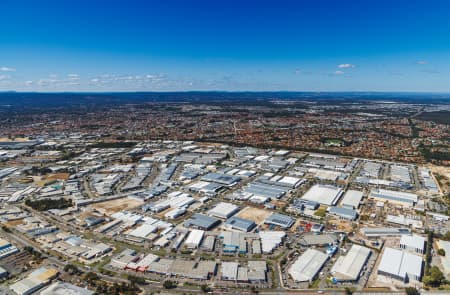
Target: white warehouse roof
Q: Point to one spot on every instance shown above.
(348, 267)
(323, 194)
(400, 264)
(224, 210)
(394, 196)
(352, 199)
(306, 267)
(413, 242)
(195, 238)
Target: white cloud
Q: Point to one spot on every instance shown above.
(346, 66)
(4, 77)
(7, 69)
(421, 62)
(339, 73)
(28, 83)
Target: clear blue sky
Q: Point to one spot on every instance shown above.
(314, 45)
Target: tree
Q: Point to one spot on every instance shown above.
(169, 284)
(411, 291)
(441, 252)
(136, 280)
(434, 278)
(205, 288)
(72, 269)
(91, 277)
(348, 291)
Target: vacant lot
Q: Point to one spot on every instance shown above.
(110, 207)
(254, 214)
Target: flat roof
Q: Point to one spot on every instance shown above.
(323, 194)
(61, 288)
(306, 267)
(280, 220)
(223, 210)
(400, 263)
(240, 223)
(414, 241)
(352, 198)
(349, 267)
(395, 196)
(201, 221)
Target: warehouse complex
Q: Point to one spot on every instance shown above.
(211, 214)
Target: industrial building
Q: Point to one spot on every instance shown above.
(255, 272)
(343, 212)
(194, 238)
(307, 266)
(124, 258)
(376, 232)
(223, 179)
(201, 221)
(323, 194)
(6, 248)
(240, 224)
(235, 241)
(208, 243)
(61, 288)
(318, 240)
(271, 240)
(352, 199)
(348, 267)
(34, 281)
(414, 243)
(280, 220)
(223, 210)
(229, 270)
(400, 265)
(402, 198)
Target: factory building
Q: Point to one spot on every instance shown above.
(348, 268)
(194, 238)
(376, 232)
(414, 243)
(240, 224)
(343, 212)
(352, 199)
(400, 265)
(323, 194)
(223, 210)
(223, 179)
(402, 198)
(307, 266)
(34, 281)
(201, 221)
(280, 220)
(271, 240)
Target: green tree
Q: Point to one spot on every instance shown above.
(434, 278)
(169, 284)
(205, 288)
(411, 291)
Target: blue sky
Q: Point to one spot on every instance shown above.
(314, 45)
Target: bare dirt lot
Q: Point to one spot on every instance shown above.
(254, 214)
(113, 206)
